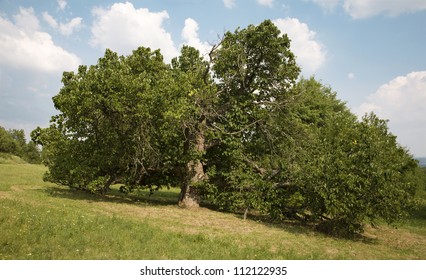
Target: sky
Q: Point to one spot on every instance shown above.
(371, 52)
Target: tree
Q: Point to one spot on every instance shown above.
(109, 122)
(255, 70)
(31, 153)
(195, 106)
(13, 141)
(7, 144)
(128, 118)
(236, 129)
(18, 136)
(354, 172)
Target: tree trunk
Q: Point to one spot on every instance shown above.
(194, 172)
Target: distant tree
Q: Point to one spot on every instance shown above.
(13, 141)
(31, 153)
(18, 136)
(7, 143)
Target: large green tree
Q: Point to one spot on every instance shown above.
(255, 71)
(235, 127)
(231, 98)
(109, 123)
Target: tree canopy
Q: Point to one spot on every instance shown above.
(238, 128)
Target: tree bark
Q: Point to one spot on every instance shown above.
(194, 172)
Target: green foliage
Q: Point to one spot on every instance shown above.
(356, 172)
(255, 70)
(420, 176)
(110, 123)
(236, 128)
(13, 142)
(7, 144)
(31, 153)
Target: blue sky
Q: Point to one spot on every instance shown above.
(371, 52)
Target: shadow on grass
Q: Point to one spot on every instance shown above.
(419, 213)
(316, 228)
(164, 199)
(170, 198)
(417, 219)
(297, 226)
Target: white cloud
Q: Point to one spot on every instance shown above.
(50, 20)
(69, 27)
(268, 3)
(26, 20)
(64, 28)
(190, 36)
(403, 102)
(351, 76)
(358, 9)
(229, 3)
(123, 28)
(24, 46)
(62, 4)
(310, 54)
(366, 8)
(30, 68)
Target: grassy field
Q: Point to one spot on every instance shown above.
(39, 220)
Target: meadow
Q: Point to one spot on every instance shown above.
(40, 220)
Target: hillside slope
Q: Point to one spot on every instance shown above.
(39, 220)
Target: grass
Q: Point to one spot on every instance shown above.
(8, 158)
(39, 220)
(15, 175)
